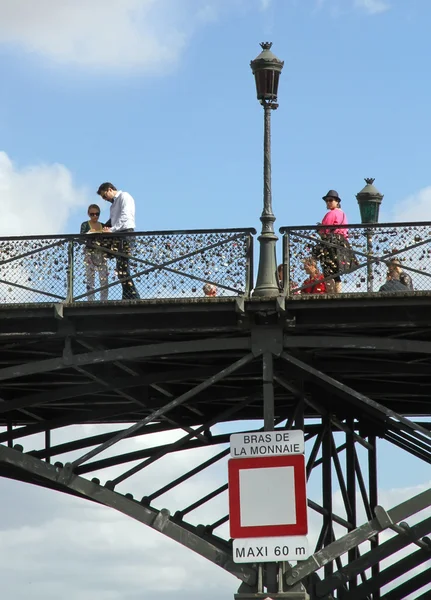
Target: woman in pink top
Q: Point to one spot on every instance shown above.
(336, 255)
(334, 216)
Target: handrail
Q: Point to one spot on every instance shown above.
(71, 236)
(289, 228)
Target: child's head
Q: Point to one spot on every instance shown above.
(209, 290)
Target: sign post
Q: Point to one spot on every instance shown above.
(268, 501)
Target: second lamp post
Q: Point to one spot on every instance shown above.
(369, 200)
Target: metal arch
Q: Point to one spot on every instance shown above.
(158, 520)
(127, 353)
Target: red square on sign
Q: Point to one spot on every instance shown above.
(267, 496)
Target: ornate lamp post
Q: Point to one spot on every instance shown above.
(266, 70)
(369, 200)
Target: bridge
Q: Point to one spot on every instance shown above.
(351, 369)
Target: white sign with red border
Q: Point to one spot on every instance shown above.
(267, 496)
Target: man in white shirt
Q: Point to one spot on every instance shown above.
(122, 219)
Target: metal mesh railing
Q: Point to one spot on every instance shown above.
(33, 269)
(179, 264)
(400, 250)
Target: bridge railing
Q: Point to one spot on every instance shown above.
(362, 265)
(178, 264)
(163, 264)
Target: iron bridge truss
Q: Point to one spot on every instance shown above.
(180, 374)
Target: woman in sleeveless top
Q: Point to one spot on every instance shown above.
(95, 260)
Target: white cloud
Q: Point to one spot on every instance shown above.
(95, 552)
(100, 33)
(373, 7)
(148, 35)
(36, 199)
(416, 207)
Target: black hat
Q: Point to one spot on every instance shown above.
(332, 194)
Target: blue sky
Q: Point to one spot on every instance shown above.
(157, 96)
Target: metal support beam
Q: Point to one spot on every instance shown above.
(117, 383)
(151, 454)
(320, 409)
(357, 343)
(400, 568)
(327, 527)
(351, 490)
(128, 353)
(268, 391)
(374, 500)
(270, 568)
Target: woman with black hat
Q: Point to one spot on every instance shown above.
(335, 255)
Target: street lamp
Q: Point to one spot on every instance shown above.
(266, 69)
(369, 200)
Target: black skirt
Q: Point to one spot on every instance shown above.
(335, 255)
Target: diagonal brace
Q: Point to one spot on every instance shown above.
(166, 408)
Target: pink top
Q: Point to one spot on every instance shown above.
(335, 217)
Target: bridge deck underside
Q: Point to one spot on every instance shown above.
(70, 368)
